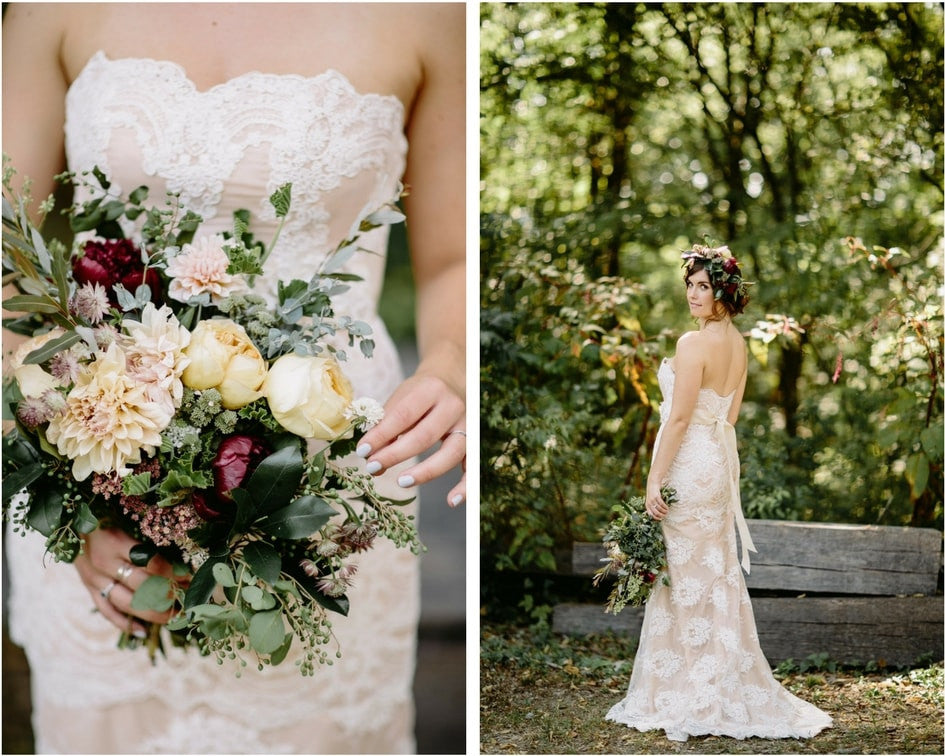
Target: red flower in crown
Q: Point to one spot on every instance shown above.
(730, 265)
(116, 261)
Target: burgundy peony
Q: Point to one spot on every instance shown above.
(112, 262)
(730, 265)
(237, 458)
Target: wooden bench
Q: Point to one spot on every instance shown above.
(857, 593)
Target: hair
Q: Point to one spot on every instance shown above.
(730, 289)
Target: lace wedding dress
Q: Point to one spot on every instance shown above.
(699, 669)
(144, 122)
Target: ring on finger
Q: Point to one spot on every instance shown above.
(460, 432)
(107, 590)
(124, 572)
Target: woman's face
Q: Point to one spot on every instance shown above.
(700, 296)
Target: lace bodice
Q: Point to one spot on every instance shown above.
(710, 401)
(143, 122)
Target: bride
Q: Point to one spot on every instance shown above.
(699, 669)
(222, 103)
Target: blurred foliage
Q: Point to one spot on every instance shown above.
(807, 137)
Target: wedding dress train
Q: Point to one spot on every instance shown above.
(699, 669)
(143, 122)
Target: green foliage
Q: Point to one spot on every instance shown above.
(806, 137)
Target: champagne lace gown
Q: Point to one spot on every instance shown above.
(699, 669)
(144, 122)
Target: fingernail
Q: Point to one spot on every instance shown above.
(405, 481)
(457, 500)
(140, 633)
(373, 467)
(363, 450)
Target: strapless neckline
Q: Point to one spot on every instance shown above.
(711, 390)
(100, 57)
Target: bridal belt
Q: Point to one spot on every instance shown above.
(725, 435)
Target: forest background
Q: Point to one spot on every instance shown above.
(806, 137)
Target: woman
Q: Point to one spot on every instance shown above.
(221, 103)
(699, 669)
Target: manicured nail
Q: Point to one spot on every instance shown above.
(373, 467)
(405, 481)
(363, 450)
(457, 500)
(140, 633)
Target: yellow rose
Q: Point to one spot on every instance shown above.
(308, 395)
(223, 357)
(32, 379)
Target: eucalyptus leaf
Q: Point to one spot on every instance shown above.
(224, 575)
(155, 594)
(267, 631)
(278, 656)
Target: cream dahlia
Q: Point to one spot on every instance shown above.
(154, 353)
(109, 419)
(201, 267)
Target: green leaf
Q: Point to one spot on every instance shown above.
(51, 348)
(15, 482)
(85, 521)
(267, 631)
(155, 594)
(138, 196)
(31, 303)
(276, 479)
(933, 442)
(278, 656)
(300, 519)
(257, 598)
(136, 485)
(142, 553)
(281, 199)
(45, 511)
(263, 560)
(917, 473)
(202, 585)
(224, 575)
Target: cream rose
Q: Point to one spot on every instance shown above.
(223, 357)
(309, 395)
(32, 379)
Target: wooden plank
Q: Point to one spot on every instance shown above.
(828, 558)
(895, 631)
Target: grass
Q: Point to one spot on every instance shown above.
(544, 693)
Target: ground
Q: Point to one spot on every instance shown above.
(544, 693)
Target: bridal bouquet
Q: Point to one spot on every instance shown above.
(636, 554)
(158, 394)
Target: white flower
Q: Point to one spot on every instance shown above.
(365, 413)
(308, 395)
(154, 352)
(201, 267)
(32, 380)
(109, 419)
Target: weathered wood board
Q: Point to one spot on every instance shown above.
(828, 558)
(895, 631)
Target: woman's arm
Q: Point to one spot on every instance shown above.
(431, 404)
(689, 365)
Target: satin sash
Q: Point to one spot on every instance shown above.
(725, 435)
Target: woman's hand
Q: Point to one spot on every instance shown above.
(423, 411)
(655, 506)
(112, 580)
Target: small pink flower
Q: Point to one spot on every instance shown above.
(201, 267)
(90, 302)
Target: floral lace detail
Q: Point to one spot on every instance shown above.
(144, 122)
(699, 669)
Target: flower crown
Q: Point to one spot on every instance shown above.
(724, 274)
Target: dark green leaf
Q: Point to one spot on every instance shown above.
(263, 560)
(51, 347)
(203, 584)
(45, 511)
(15, 482)
(31, 303)
(141, 554)
(300, 519)
(85, 521)
(276, 479)
(278, 656)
